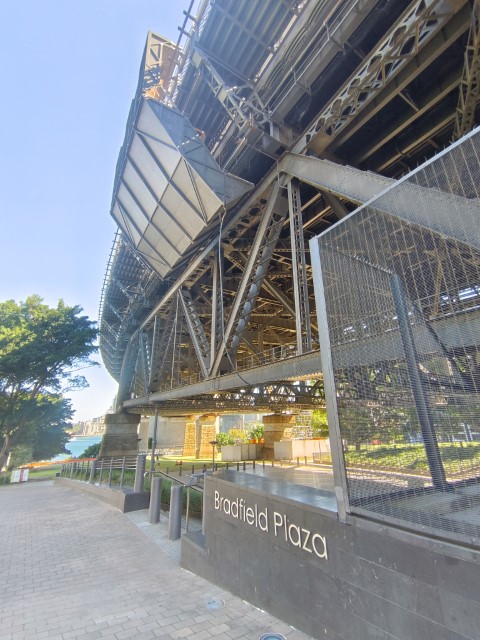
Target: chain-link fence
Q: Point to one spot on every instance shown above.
(401, 278)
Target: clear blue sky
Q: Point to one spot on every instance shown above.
(68, 74)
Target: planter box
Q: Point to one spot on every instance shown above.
(291, 449)
(239, 452)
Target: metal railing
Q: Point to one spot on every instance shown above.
(109, 471)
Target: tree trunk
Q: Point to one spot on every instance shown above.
(4, 451)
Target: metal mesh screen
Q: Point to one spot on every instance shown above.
(402, 295)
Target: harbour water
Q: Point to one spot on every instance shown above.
(78, 444)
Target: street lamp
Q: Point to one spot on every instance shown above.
(213, 443)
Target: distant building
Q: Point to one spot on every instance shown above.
(92, 427)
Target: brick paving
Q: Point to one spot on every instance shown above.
(73, 568)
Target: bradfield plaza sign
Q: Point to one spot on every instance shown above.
(272, 522)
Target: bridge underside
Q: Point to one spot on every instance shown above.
(310, 110)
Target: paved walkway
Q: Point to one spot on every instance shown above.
(73, 567)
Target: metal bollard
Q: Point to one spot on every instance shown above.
(175, 517)
(139, 473)
(155, 500)
(92, 472)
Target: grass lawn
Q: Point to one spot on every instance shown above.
(39, 473)
(172, 463)
(412, 458)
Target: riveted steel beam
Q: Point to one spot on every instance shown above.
(299, 268)
(470, 85)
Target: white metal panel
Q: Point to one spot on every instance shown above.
(165, 155)
(152, 174)
(131, 208)
(182, 211)
(162, 247)
(139, 188)
(169, 187)
(149, 123)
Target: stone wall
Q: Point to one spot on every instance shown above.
(120, 437)
(373, 581)
(274, 429)
(199, 432)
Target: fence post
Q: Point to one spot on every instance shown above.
(187, 512)
(204, 502)
(110, 472)
(71, 469)
(139, 473)
(175, 517)
(101, 471)
(122, 475)
(92, 472)
(155, 500)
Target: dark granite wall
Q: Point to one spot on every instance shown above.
(377, 582)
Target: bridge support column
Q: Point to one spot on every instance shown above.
(199, 432)
(274, 429)
(120, 437)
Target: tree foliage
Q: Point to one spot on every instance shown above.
(41, 348)
(92, 451)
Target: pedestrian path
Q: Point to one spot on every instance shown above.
(76, 568)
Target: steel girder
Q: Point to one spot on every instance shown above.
(405, 40)
(299, 269)
(470, 85)
(196, 330)
(299, 396)
(260, 254)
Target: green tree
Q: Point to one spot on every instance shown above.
(41, 348)
(92, 451)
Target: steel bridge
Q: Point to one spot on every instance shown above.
(266, 123)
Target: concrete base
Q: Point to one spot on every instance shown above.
(292, 449)
(120, 437)
(280, 547)
(238, 452)
(123, 500)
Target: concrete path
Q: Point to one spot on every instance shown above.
(73, 567)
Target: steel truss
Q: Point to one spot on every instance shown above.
(470, 85)
(300, 396)
(416, 27)
(238, 311)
